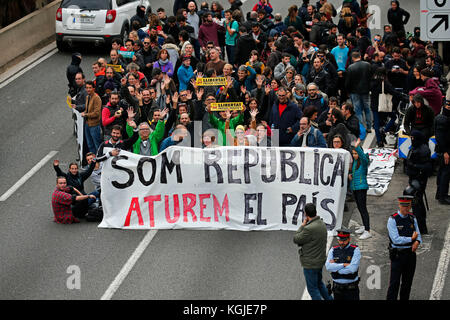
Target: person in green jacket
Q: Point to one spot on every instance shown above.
(147, 143)
(217, 123)
(312, 238)
(359, 187)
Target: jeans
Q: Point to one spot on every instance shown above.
(230, 54)
(377, 123)
(314, 284)
(93, 137)
(361, 103)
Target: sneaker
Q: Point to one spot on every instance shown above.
(360, 230)
(365, 235)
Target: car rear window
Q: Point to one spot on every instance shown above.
(87, 4)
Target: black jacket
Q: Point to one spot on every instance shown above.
(358, 77)
(395, 18)
(426, 125)
(72, 69)
(244, 45)
(419, 161)
(442, 132)
(352, 124)
(76, 181)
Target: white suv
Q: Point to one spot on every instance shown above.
(96, 21)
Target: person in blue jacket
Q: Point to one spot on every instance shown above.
(185, 73)
(359, 187)
(314, 138)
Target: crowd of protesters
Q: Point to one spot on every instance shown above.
(309, 77)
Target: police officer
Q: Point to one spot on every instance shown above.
(404, 237)
(343, 263)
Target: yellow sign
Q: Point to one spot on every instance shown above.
(116, 67)
(217, 81)
(69, 101)
(222, 106)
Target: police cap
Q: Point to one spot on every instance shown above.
(405, 200)
(343, 234)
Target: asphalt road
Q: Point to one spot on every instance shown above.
(35, 253)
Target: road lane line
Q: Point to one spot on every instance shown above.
(128, 265)
(27, 176)
(306, 295)
(441, 271)
(27, 68)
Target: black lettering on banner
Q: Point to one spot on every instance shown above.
(324, 204)
(130, 173)
(248, 164)
(248, 209)
(273, 166)
(231, 167)
(140, 170)
(259, 219)
(338, 170)
(302, 169)
(288, 161)
(316, 167)
(287, 199)
(208, 162)
(174, 162)
(322, 165)
(300, 208)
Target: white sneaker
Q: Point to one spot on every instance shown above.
(360, 230)
(365, 235)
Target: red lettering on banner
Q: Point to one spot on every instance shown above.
(134, 206)
(176, 209)
(203, 206)
(187, 207)
(151, 200)
(219, 209)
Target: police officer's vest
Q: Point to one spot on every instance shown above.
(405, 227)
(344, 255)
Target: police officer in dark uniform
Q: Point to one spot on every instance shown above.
(404, 237)
(343, 263)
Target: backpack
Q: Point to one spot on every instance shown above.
(362, 131)
(95, 213)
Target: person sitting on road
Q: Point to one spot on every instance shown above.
(63, 198)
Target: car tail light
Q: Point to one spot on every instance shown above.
(110, 16)
(59, 14)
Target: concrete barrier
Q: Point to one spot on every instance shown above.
(23, 35)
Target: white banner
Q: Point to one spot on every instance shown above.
(79, 129)
(234, 188)
(380, 171)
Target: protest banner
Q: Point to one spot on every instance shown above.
(215, 81)
(233, 188)
(223, 106)
(126, 54)
(79, 130)
(116, 67)
(69, 101)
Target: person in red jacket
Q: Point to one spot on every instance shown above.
(430, 91)
(263, 4)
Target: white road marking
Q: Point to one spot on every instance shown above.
(441, 271)
(27, 176)
(306, 295)
(28, 64)
(128, 265)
